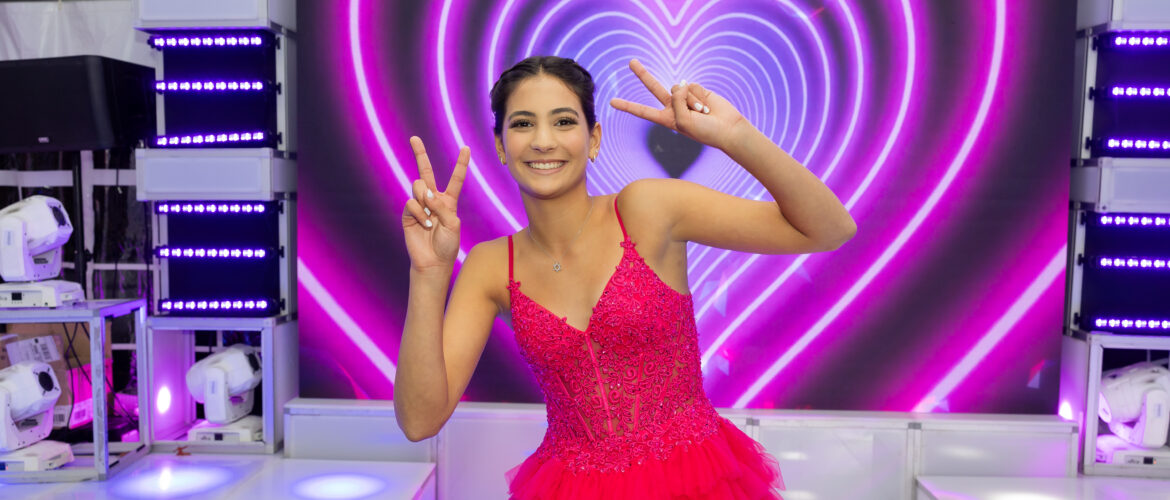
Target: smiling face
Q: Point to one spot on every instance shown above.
(545, 140)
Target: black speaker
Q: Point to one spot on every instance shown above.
(75, 103)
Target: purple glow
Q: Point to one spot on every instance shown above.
(223, 40)
(1133, 323)
(1147, 144)
(208, 86)
(1135, 220)
(216, 304)
(336, 312)
(210, 208)
(1134, 263)
(1047, 277)
(163, 400)
(212, 139)
(1065, 411)
(957, 163)
(679, 26)
(1142, 91)
(212, 253)
(1138, 39)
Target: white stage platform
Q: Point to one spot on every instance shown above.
(353, 449)
(245, 477)
(1041, 488)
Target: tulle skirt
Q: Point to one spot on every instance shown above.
(727, 465)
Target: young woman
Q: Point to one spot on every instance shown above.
(614, 348)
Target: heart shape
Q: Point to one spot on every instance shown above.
(673, 151)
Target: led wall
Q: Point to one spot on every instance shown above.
(943, 127)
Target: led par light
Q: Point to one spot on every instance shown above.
(213, 305)
(1117, 323)
(210, 40)
(212, 253)
(1140, 39)
(1135, 220)
(1131, 146)
(214, 140)
(1144, 263)
(213, 208)
(1154, 144)
(1136, 92)
(211, 86)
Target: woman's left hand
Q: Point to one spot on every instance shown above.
(688, 108)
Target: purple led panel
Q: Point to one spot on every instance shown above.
(209, 208)
(1141, 39)
(843, 89)
(1135, 220)
(215, 305)
(211, 253)
(166, 86)
(1133, 263)
(1146, 144)
(181, 141)
(216, 40)
(1161, 324)
(1138, 91)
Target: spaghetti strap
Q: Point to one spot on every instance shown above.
(619, 218)
(509, 259)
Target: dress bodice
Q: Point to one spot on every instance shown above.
(627, 388)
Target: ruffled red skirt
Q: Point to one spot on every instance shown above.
(727, 465)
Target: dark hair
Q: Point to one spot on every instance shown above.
(566, 70)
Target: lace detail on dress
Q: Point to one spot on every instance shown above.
(627, 388)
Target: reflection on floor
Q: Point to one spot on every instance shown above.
(245, 477)
(260, 477)
(1041, 488)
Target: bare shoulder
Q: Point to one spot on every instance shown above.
(654, 202)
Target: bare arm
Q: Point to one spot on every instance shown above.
(806, 217)
(441, 345)
(438, 351)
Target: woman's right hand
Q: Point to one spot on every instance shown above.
(429, 221)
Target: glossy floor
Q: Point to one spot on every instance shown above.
(1042, 488)
(244, 477)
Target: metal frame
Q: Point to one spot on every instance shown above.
(101, 465)
(166, 14)
(1103, 185)
(170, 339)
(1093, 346)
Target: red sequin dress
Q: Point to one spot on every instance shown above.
(627, 415)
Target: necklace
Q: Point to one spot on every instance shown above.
(557, 263)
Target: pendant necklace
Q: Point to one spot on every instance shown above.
(557, 263)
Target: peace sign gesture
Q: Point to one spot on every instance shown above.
(429, 221)
(690, 109)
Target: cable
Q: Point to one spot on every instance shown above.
(69, 374)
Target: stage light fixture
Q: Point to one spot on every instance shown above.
(181, 86)
(212, 253)
(210, 208)
(215, 305)
(1134, 220)
(217, 40)
(1158, 324)
(1137, 144)
(1134, 263)
(1147, 39)
(1139, 91)
(216, 139)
